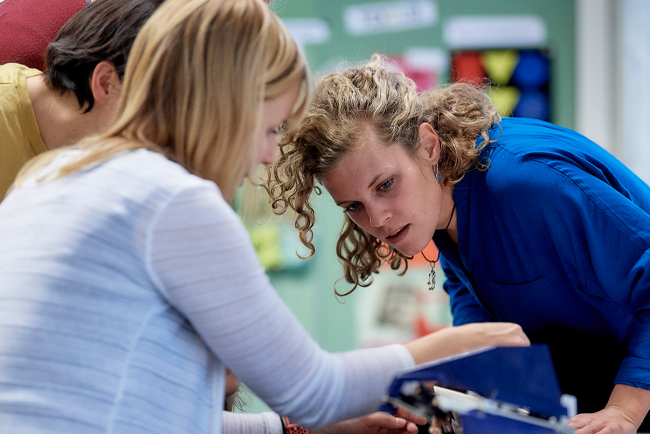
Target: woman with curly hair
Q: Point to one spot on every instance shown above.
(535, 224)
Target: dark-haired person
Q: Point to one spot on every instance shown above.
(27, 28)
(76, 95)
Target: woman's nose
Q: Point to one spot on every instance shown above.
(377, 216)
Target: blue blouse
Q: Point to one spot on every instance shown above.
(554, 235)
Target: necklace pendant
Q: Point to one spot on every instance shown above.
(432, 279)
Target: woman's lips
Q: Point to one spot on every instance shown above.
(399, 235)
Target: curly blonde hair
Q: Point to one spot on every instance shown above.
(345, 105)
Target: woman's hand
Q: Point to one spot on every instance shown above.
(377, 423)
(454, 340)
(607, 421)
(625, 410)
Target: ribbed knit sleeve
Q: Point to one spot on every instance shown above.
(261, 423)
(203, 262)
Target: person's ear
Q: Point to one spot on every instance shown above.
(429, 143)
(105, 83)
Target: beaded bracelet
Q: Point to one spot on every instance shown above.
(292, 428)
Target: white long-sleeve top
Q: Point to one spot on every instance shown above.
(124, 291)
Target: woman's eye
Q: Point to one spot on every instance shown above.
(273, 131)
(352, 208)
(386, 185)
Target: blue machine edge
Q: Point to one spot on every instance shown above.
(522, 376)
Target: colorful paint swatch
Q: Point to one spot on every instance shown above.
(505, 99)
(467, 67)
(517, 81)
(500, 64)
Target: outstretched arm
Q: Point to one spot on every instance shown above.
(233, 307)
(458, 339)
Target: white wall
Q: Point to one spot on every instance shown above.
(596, 83)
(635, 84)
(613, 78)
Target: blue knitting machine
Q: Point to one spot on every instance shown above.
(491, 390)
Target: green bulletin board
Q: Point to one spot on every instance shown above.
(557, 17)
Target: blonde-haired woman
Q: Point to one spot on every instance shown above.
(127, 282)
(535, 224)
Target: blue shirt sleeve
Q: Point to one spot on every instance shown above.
(617, 240)
(465, 308)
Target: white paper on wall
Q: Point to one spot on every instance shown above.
(497, 31)
(385, 17)
(308, 30)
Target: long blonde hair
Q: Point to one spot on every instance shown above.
(346, 103)
(194, 85)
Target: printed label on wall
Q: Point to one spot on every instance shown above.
(495, 31)
(385, 17)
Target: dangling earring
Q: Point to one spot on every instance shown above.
(438, 175)
(432, 273)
